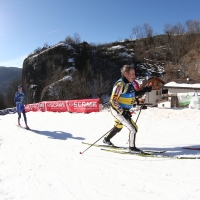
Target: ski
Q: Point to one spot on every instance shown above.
(142, 153)
(191, 148)
(154, 151)
(151, 155)
(104, 145)
(122, 148)
(28, 129)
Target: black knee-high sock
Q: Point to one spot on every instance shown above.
(113, 132)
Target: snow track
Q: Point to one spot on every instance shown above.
(47, 165)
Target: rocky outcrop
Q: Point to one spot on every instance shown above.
(37, 67)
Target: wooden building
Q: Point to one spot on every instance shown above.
(157, 90)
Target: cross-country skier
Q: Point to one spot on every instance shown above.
(20, 100)
(122, 99)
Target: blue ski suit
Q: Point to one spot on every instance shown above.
(20, 100)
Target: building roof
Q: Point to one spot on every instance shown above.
(183, 84)
(151, 79)
(186, 80)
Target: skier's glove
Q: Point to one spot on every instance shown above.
(148, 89)
(126, 114)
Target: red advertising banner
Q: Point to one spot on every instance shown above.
(36, 107)
(83, 105)
(56, 106)
(31, 107)
(42, 106)
(27, 108)
(80, 105)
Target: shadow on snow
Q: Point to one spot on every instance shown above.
(59, 135)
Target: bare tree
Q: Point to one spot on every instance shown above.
(38, 50)
(148, 30)
(193, 26)
(78, 88)
(76, 39)
(69, 40)
(100, 85)
(138, 32)
(144, 31)
(178, 28)
(197, 26)
(168, 29)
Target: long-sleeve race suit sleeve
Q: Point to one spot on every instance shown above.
(141, 92)
(16, 98)
(20, 98)
(117, 90)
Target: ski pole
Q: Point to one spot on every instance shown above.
(150, 84)
(136, 119)
(99, 139)
(140, 111)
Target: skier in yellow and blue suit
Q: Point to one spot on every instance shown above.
(122, 100)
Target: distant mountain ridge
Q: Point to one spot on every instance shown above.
(7, 75)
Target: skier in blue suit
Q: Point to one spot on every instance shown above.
(20, 100)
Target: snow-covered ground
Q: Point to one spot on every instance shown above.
(48, 165)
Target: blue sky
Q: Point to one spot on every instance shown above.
(28, 24)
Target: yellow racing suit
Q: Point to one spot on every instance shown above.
(123, 98)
